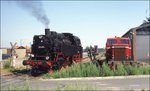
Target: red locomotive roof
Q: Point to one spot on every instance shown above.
(117, 38)
(118, 41)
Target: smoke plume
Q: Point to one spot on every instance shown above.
(35, 8)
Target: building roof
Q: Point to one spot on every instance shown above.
(22, 47)
(140, 30)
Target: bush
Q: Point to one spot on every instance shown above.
(7, 64)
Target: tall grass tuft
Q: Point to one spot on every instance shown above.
(105, 70)
(120, 70)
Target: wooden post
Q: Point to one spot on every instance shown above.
(134, 45)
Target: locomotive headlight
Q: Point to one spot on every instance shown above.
(32, 55)
(47, 57)
(40, 37)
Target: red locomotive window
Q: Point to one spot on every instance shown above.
(124, 41)
(112, 41)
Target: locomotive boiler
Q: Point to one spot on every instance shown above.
(52, 51)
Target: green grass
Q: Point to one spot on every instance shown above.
(105, 71)
(90, 70)
(134, 70)
(76, 70)
(120, 71)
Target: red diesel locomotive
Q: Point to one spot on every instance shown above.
(118, 49)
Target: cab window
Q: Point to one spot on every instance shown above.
(112, 42)
(124, 41)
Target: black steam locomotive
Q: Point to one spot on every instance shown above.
(53, 51)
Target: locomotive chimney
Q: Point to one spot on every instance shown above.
(47, 30)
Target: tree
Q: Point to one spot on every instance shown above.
(86, 49)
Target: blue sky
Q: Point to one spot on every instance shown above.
(92, 21)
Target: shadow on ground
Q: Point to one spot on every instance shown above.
(28, 72)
